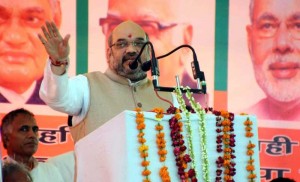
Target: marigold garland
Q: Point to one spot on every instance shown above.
(181, 158)
(143, 149)
(225, 143)
(161, 145)
(250, 152)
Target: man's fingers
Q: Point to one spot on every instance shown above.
(55, 30)
(66, 40)
(46, 34)
(42, 39)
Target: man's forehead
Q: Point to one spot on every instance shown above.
(24, 119)
(128, 30)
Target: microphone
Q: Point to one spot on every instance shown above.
(134, 64)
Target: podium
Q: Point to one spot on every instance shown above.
(111, 152)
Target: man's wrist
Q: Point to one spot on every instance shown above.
(63, 62)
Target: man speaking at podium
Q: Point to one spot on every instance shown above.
(94, 98)
(168, 25)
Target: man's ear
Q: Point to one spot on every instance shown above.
(188, 34)
(108, 54)
(5, 140)
(57, 14)
(249, 38)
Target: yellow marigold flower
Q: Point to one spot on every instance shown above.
(143, 148)
(146, 172)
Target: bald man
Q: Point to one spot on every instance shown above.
(94, 98)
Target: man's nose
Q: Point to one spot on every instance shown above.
(14, 34)
(283, 40)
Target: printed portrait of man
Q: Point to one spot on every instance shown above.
(22, 56)
(274, 47)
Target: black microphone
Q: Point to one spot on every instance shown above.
(134, 64)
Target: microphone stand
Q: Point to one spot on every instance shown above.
(197, 74)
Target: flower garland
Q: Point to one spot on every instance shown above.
(161, 145)
(225, 143)
(182, 106)
(250, 164)
(143, 149)
(202, 131)
(181, 158)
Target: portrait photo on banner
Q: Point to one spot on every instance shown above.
(169, 25)
(23, 57)
(264, 78)
(22, 62)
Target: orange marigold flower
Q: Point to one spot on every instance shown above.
(141, 134)
(248, 122)
(227, 177)
(142, 140)
(160, 135)
(146, 180)
(228, 150)
(250, 145)
(226, 162)
(141, 126)
(227, 156)
(146, 172)
(250, 167)
(226, 128)
(177, 116)
(250, 152)
(249, 134)
(139, 120)
(162, 158)
(250, 161)
(138, 109)
(144, 154)
(162, 152)
(225, 114)
(145, 163)
(159, 127)
(248, 128)
(251, 176)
